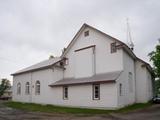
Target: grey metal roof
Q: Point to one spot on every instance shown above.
(40, 65)
(106, 77)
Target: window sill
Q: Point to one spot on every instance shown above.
(65, 98)
(96, 98)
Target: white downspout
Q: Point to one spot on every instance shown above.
(135, 80)
(31, 89)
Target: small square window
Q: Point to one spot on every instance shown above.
(86, 33)
(113, 47)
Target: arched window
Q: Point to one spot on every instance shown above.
(19, 88)
(130, 81)
(37, 88)
(120, 89)
(27, 88)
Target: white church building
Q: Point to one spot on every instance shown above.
(94, 71)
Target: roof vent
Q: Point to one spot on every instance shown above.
(51, 57)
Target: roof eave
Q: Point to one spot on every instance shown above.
(127, 50)
(36, 69)
(76, 35)
(92, 82)
(33, 70)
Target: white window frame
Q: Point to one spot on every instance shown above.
(27, 90)
(65, 92)
(96, 94)
(37, 87)
(18, 88)
(86, 33)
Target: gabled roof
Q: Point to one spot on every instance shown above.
(51, 62)
(121, 46)
(41, 65)
(99, 78)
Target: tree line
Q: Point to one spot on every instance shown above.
(155, 58)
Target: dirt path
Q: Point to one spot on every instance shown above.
(152, 113)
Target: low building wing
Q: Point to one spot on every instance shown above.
(105, 78)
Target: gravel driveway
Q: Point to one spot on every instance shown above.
(151, 113)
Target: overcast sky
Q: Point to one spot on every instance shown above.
(31, 30)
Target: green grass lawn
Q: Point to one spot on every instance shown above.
(59, 109)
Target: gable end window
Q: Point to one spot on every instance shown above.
(96, 92)
(86, 33)
(113, 47)
(65, 92)
(37, 88)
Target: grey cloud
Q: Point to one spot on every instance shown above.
(31, 30)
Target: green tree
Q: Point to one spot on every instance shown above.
(4, 85)
(155, 58)
(157, 87)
